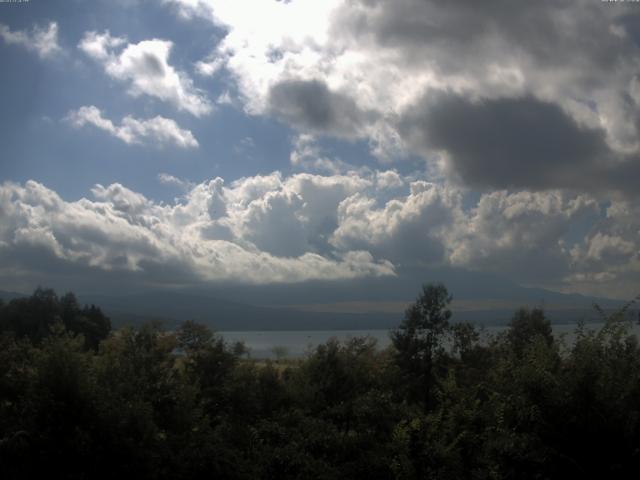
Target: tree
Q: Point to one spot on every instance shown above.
(193, 336)
(209, 362)
(527, 325)
(33, 317)
(280, 352)
(419, 340)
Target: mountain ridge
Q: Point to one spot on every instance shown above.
(223, 309)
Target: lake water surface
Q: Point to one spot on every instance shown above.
(298, 343)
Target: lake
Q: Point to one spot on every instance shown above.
(298, 343)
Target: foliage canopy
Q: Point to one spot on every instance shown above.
(79, 401)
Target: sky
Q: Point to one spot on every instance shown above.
(195, 144)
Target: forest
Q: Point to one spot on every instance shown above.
(79, 400)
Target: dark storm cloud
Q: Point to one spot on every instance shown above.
(467, 34)
(517, 143)
(310, 104)
(625, 176)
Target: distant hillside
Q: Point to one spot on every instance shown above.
(171, 308)
(8, 296)
(462, 284)
(477, 298)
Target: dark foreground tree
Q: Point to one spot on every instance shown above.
(34, 317)
(527, 326)
(438, 403)
(419, 341)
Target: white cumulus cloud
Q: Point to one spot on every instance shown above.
(172, 180)
(282, 229)
(41, 40)
(145, 68)
(154, 131)
(122, 231)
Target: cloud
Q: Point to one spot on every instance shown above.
(408, 231)
(399, 74)
(145, 68)
(122, 199)
(522, 234)
(209, 67)
(518, 142)
(610, 249)
(41, 40)
(389, 179)
(153, 131)
(534, 238)
(284, 229)
(123, 232)
(99, 46)
(311, 105)
(610, 253)
(307, 155)
(168, 179)
(294, 214)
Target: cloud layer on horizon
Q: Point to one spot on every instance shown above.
(277, 229)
